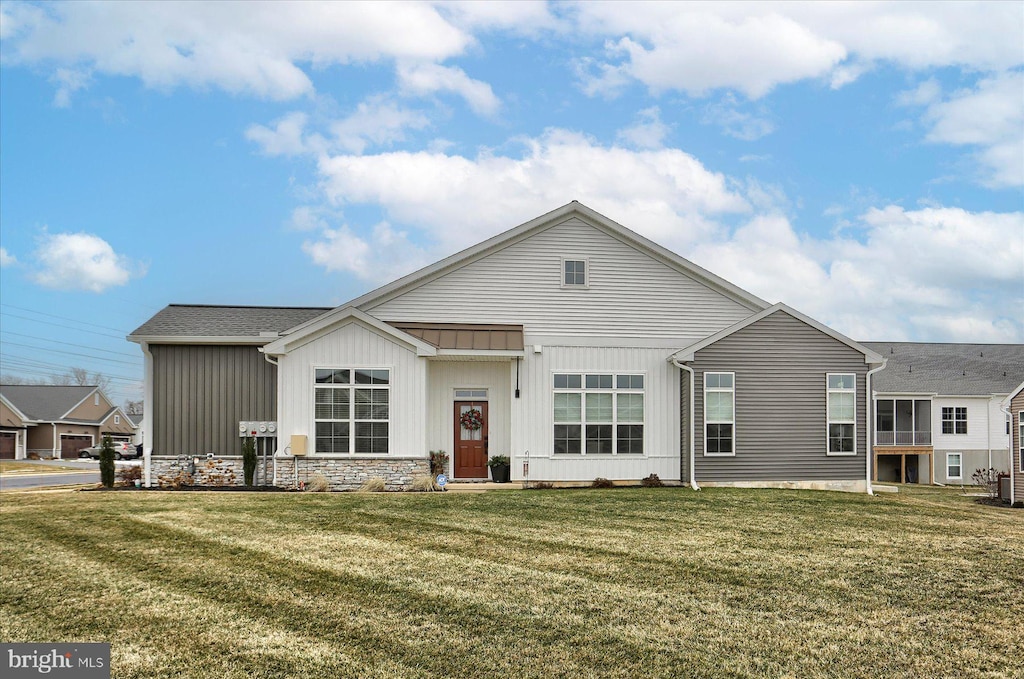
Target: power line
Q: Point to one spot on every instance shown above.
(58, 325)
(71, 353)
(63, 318)
(70, 344)
(26, 362)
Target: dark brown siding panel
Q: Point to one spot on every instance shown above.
(781, 365)
(200, 394)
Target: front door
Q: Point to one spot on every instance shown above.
(470, 440)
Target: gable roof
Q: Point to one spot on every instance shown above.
(45, 402)
(116, 410)
(1012, 395)
(948, 368)
(545, 221)
(223, 324)
(337, 317)
(687, 353)
(17, 411)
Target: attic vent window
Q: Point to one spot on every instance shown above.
(574, 273)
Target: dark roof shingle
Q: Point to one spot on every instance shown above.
(45, 402)
(201, 320)
(949, 369)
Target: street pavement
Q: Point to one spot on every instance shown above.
(87, 472)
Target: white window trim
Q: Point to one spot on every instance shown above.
(959, 464)
(828, 417)
(1020, 440)
(953, 420)
(583, 391)
(117, 419)
(733, 422)
(352, 434)
(586, 275)
(96, 399)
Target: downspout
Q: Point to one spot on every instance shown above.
(988, 429)
(55, 439)
(147, 405)
(1006, 411)
(693, 472)
(870, 416)
(271, 361)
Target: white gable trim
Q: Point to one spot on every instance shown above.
(546, 221)
(1006, 401)
(124, 418)
(337, 318)
(687, 353)
(17, 411)
(87, 397)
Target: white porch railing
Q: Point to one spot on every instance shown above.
(903, 438)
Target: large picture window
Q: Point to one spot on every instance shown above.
(842, 414)
(598, 414)
(954, 420)
(351, 410)
(719, 414)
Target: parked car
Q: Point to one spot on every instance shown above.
(121, 451)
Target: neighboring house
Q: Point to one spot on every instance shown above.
(57, 421)
(570, 343)
(1014, 405)
(937, 410)
(138, 419)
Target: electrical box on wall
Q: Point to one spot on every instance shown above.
(257, 428)
(298, 446)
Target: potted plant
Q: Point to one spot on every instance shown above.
(501, 467)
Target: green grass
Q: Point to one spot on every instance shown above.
(569, 583)
(12, 467)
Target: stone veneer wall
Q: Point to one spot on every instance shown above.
(220, 471)
(341, 473)
(350, 473)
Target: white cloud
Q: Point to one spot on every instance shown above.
(930, 274)
(378, 122)
(667, 192)
(80, 261)
(934, 273)
(527, 17)
(926, 93)
(6, 258)
(745, 126)
(648, 132)
(424, 79)
(383, 256)
(752, 48)
(286, 138)
(68, 81)
(991, 117)
(254, 48)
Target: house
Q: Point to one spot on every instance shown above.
(570, 343)
(1013, 406)
(937, 410)
(57, 420)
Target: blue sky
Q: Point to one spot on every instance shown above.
(863, 163)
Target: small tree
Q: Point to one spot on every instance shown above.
(987, 479)
(107, 462)
(249, 459)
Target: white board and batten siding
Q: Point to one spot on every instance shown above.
(353, 345)
(631, 295)
(444, 377)
(533, 415)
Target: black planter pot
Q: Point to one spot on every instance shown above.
(500, 473)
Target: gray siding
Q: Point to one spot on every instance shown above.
(781, 428)
(200, 393)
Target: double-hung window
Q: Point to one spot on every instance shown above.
(954, 420)
(954, 466)
(352, 410)
(1020, 439)
(842, 414)
(719, 413)
(598, 414)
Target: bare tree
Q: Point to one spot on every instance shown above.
(132, 407)
(73, 377)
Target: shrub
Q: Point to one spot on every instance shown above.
(318, 484)
(129, 475)
(107, 463)
(600, 482)
(498, 460)
(987, 479)
(374, 485)
(438, 462)
(249, 459)
(652, 481)
(33, 456)
(425, 483)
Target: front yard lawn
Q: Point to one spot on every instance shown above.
(662, 582)
(13, 467)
